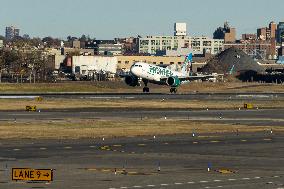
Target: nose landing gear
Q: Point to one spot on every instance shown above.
(145, 89)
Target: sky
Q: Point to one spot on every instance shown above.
(107, 19)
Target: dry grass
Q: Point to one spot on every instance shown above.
(73, 129)
(122, 87)
(20, 104)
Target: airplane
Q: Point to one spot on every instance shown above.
(148, 73)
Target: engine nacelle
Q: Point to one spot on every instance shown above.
(173, 81)
(131, 81)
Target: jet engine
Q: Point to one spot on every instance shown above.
(173, 81)
(131, 81)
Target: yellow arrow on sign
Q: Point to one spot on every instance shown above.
(28, 174)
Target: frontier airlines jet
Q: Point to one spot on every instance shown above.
(141, 71)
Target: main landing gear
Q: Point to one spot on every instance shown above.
(146, 89)
(173, 90)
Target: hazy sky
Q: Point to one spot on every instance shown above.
(106, 19)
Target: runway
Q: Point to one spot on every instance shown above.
(186, 96)
(250, 160)
(255, 161)
(260, 117)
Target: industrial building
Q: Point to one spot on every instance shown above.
(125, 62)
(11, 32)
(86, 65)
(105, 47)
(153, 44)
(280, 32)
(227, 33)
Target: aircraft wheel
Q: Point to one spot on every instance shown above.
(175, 90)
(146, 90)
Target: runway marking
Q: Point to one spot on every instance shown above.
(117, 145)
(243, 140)
(42, 148)
(267, 139)
(202, 181)
(164, 184)
(67, 147)
(178, 183)
(214, 141)
(232, 179)
(246, 178)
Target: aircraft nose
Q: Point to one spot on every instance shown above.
(134, 70)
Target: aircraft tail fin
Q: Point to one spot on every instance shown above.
(187, 65)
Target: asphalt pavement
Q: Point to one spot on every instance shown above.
(252, 160)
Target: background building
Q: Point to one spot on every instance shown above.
(105, 47)
(12, 32)
(207, 45)
(280, 32)
(125, 62)
(180, 29)
(152, 44)
(88, 65)
(226, 33)
(1, 44)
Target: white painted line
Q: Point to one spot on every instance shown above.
(190, 182)
(219, 186)
(203, 181)
(42, 148)
(150, 185)
(217, 180)
(246, 178)
(164, 184)
(178, 183)
(137, 186)
(92, 146)
(257, 177)
(276, 176)
(207, 187)
(112, 188)
(232, 179)
(16, 149)
(123, 187)
(67, 147)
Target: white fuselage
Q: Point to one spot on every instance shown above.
(152, 72)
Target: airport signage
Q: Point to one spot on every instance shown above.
(27, 174)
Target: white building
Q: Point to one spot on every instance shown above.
(180, 29)
(152, 44)
(206, 44)
(87, 65)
